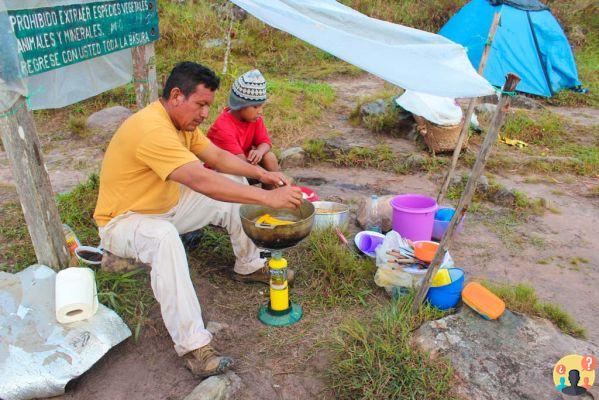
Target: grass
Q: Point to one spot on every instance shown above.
(523, 298)
(376, 359)
(330, 274)
(381, 157)
(76, 125)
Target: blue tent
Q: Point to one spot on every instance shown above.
(529, 42)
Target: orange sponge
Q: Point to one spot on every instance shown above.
(483, 301)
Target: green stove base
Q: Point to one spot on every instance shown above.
(280, 318)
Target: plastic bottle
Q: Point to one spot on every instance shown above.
(71, 239)
(373, 219)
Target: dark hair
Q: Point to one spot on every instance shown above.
(187, 75)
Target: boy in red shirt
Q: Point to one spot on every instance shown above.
(240, 128)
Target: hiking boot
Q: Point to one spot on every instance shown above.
(205, 362)
(262, 276)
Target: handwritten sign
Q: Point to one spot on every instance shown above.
(53, 37)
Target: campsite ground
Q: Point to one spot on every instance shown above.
(549, 244)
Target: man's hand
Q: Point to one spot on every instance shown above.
(274, 178)
(255, 156)
(285, 197)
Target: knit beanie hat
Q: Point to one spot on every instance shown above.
(248, 90)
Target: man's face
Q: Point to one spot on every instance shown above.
(188, 112)
(251, 113)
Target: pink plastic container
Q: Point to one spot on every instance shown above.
(413, 216)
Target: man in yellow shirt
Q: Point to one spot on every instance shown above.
(154, 187)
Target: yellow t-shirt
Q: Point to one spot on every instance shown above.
(141, 155)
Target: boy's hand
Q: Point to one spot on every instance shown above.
(274, 178)
(255, 156)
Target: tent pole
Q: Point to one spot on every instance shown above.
(469, 112)
(511, 82)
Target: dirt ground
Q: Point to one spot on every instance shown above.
(556, 253)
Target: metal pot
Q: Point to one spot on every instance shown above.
(337, 214)
(281, 236)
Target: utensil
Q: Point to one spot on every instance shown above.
(281, 236)
(330, 213)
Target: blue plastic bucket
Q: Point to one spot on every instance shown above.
(448, 296)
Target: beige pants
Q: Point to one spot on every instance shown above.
(154, 239)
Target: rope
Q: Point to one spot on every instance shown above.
(16, 109)
(506, 92)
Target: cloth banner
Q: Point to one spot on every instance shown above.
(407, 57)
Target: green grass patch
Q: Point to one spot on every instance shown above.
(523, 298)
(128, 294)
(376, 359)
(380, 157)
(329, 274)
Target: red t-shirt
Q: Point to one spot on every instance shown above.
(235, 136)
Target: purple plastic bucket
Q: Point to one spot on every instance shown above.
(413, 216)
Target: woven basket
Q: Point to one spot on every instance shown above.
(438, 138)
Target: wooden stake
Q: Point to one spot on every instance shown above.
(144, 74)
(491, 137)
(466, 127)
(22, 146)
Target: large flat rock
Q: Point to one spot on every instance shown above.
(508, 359)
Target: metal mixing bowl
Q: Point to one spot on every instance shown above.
(277, 237)
(337, 214)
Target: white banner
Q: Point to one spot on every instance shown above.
(407, 57)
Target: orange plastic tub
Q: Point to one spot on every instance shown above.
(425, 250)
(483, 301)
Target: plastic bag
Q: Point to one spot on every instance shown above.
(396, 278)
(438, 110)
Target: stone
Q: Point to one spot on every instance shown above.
(215, 327)
(503, 197)
(376, 107)
(483, 183)
(384, 210)
(518, 101)
(219, 387)
(293, 157)
(415, 161)
(511, 358)
(486, 108)
(105, 122)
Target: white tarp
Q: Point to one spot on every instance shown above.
(406, 57)
(63, 86)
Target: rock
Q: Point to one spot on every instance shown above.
(384, 210)
(219, 387)
(483, 183)
(211, 43)
(373, 108)
(415, 161)
(503, 197)
(293, 157)
(511, 358)
(519, 101)
(215, 327)
(105, 122)
(486, 108)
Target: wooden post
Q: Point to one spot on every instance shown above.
(466, 127)
(144, 74)
(491, 137)
(22, 146)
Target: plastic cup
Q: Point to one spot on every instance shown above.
(369, 243)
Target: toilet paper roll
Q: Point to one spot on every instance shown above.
(75, 294)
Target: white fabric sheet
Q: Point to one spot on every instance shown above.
(407, 57)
